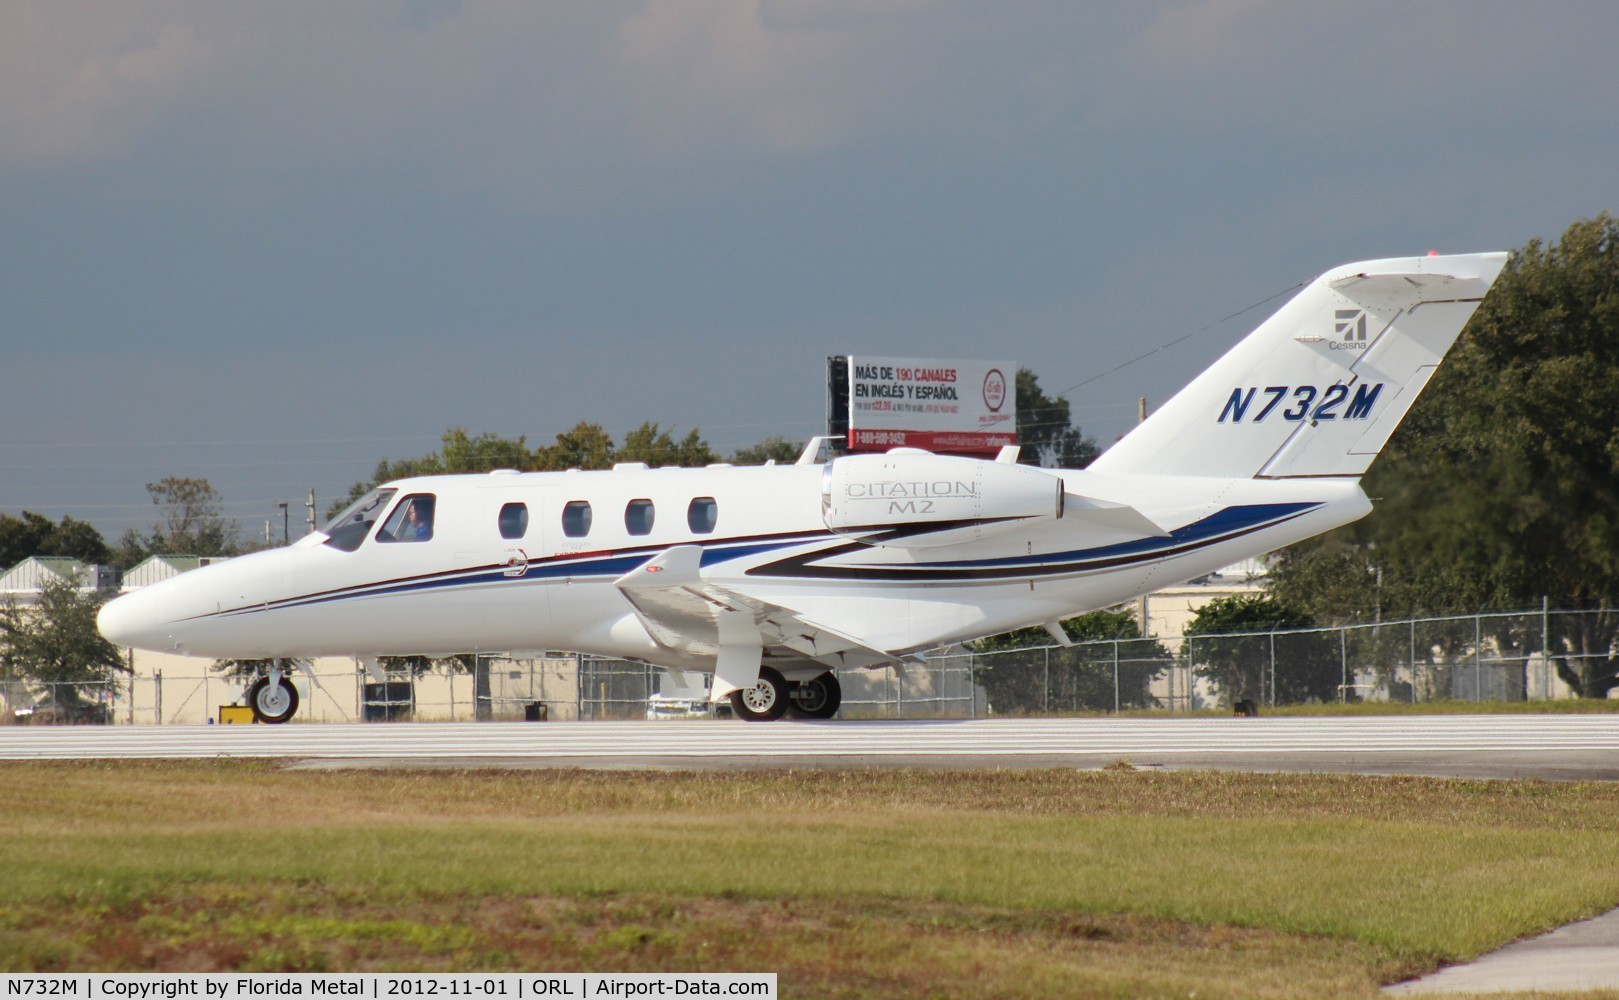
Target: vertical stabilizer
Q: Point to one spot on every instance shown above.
(1320, 386)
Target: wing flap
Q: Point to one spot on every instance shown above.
(688, 614)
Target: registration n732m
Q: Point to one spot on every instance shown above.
(1300, 402)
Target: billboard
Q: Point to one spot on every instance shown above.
(967, 407)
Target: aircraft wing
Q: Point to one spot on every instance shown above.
(685, 613)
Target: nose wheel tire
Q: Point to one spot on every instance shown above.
(272, 703)
(818, 698)
(765, 701)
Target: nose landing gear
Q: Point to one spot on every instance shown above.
(273, 699)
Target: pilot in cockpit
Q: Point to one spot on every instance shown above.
(412, 522)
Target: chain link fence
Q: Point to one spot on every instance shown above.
(1505, 656)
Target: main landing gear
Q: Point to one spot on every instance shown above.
(273, 698)
(818, 698)
(773, 696)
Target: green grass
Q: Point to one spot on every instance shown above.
(844, 882)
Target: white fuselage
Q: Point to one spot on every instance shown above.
(470, 589)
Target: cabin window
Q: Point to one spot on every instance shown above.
(702, 515)
(638, 517)
(411, 521)
(576, 518)
(514, 520)
(347, 530)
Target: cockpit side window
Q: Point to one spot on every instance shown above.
(411, 521)
(347, 530)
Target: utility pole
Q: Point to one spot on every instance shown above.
(285, 526)
(311, 506)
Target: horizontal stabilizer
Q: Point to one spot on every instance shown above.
(1106, 514)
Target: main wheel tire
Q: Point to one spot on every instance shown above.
(766, 701)
(273, 705)
(818, 698)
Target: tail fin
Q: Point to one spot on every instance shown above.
(1318, 388)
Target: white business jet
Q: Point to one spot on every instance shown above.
(770, 577)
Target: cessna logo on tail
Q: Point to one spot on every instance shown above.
(1350, 325)
(1300, 402)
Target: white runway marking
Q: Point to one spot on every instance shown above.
(1535, 735)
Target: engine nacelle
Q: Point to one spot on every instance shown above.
(926, 500)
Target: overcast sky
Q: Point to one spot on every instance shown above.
(269, 244)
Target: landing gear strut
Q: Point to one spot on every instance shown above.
(818, 698)
(273, 698)
(765, 701)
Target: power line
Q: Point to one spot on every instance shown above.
(233, 442)
(1187, 337)
(209, 464)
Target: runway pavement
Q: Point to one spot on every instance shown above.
(1564, 747)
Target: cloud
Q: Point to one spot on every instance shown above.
(502, 93)
(709, 72)
(544, 105)
(1208, 31)
(79, 82)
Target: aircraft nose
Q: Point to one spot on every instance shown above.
(130, 620)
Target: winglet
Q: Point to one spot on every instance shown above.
(676, 566)
(812, 450)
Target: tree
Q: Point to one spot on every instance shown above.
(247, 671)
(1045, 430)
(463, 453)
(193, 523)
(658, 448)
(774, 447)
(586, 446)
(1308, 666)
(56, 645)
(458, 452)
(1075, 678)
(31, 534)
(1503, 483)
(461, 663)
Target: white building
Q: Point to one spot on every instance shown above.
(157, 568)
(24, 582)
(1166, 613)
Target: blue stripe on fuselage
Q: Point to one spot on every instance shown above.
(1221, 522)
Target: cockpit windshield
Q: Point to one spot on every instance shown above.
(347, 530)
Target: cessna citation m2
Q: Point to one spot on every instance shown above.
(770, 577)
